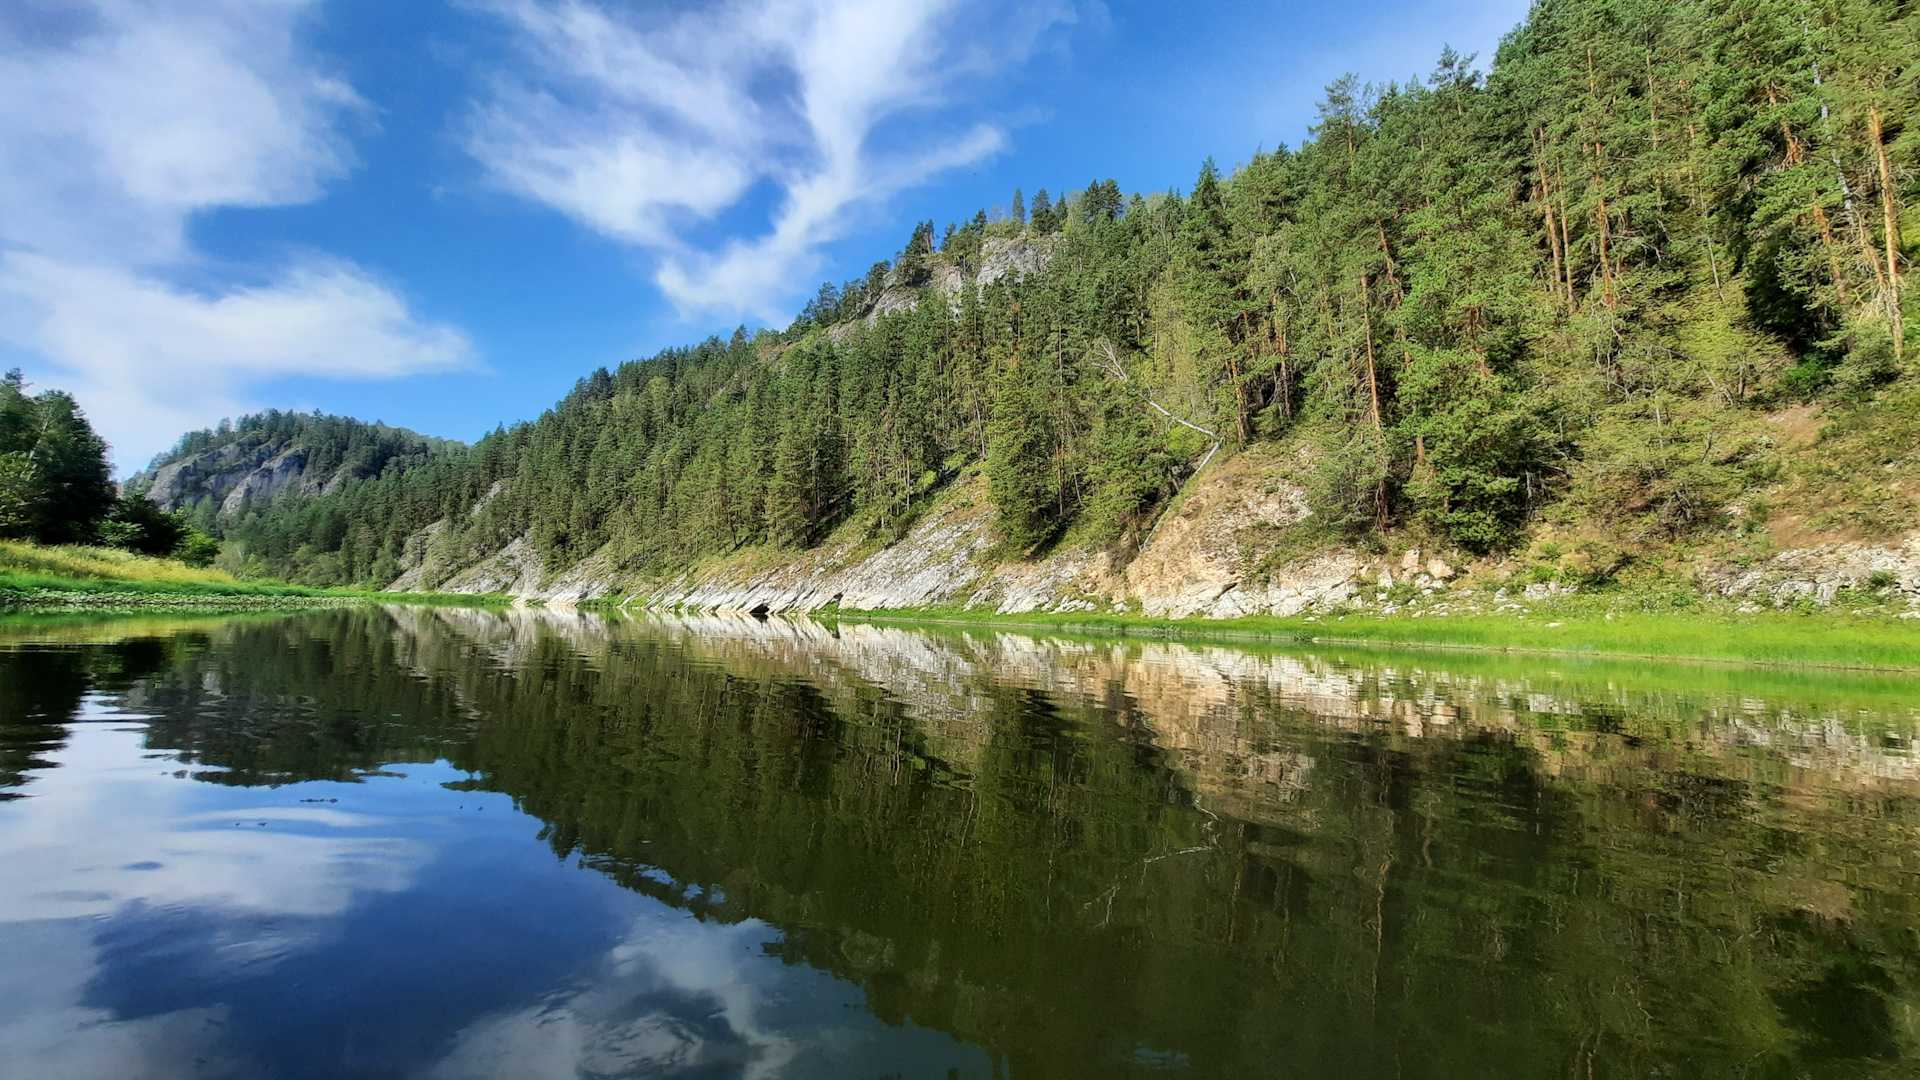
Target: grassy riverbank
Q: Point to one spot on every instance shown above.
(36, 578)
(1833, 638)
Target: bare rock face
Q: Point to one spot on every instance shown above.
(949, 279)
(935, 563)
(1196, 560)
(1206, 557)
(417, 573)
(177, 483)
(237, 475)
(284, 471)
(1013, 257)
(514, 569)
(1821, 572)
(893, 300)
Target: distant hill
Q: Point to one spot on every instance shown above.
(218, 474)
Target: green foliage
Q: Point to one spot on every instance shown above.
(1019, 447)
(1132, 469)
(55, 484)
(196, 548)
(19, 494)
(1568, 288)
(139, 526)
(1345, 489)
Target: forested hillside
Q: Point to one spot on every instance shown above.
(1642, 282)
(250, 476)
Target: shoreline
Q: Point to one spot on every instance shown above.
(1826, 640)
(107, 597)
(1829, 639)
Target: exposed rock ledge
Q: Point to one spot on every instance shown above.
(1196, 562)
(1201, 559)
(1000, 257)
(1821, 572)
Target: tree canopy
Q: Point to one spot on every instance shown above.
(1566, 288)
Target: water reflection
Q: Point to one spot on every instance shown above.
(443, 842)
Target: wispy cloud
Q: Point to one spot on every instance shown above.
(643, 127)
(123, 120)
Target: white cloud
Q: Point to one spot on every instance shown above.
(149, 360)
(639, 127)
(122, 120)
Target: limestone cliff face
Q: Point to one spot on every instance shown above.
(1819, 573)
(213, 473)
(1201, 559)
(276, 456)
(236, 475)
(1211, 554)
(1000, 257)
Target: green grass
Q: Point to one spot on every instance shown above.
(85, 578)
(1824, 639)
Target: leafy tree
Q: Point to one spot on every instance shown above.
(198, 549)
(59, 484)
(139, 526)
(19, 495)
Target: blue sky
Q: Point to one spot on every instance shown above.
(440, 214)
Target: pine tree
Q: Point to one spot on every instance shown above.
(1044, 221)
(1561, 295)
(1019, 443)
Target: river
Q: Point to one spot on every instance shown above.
(436, 842)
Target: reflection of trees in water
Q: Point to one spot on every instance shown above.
(329, 696)
(1351, 870)
(1098, 858)
(42, 688)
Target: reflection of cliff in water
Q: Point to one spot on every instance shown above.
(1242, 857)
(1239, 860)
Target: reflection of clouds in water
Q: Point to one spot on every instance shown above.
(676, 995)
(42, 984)
(110, 829)
(682, 996)
(132, 816)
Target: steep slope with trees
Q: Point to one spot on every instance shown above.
(1642, 287)
(290, 484)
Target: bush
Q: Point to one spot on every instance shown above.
(1348, 487)
(197, 548)
(136, 524)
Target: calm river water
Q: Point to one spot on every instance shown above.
(449, 843)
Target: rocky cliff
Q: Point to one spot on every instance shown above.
(229, 476)
(273, 456)
(1000, 258)
(1221, 550)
